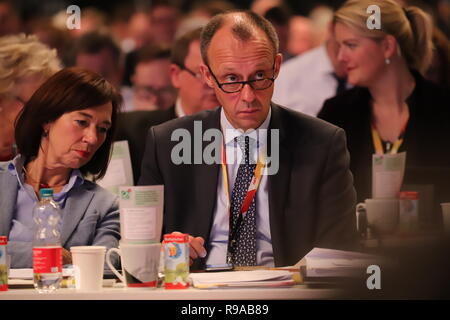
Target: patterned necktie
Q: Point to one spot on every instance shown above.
(245, 248)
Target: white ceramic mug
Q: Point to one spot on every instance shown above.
(382, 214)
(140, 263)
(446, 215)
(88, 263)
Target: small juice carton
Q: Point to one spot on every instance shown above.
(176, 261)
(409, 211)
(3, 264)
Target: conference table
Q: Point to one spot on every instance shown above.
(296, 292)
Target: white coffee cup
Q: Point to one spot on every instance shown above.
(446, 215)
(140, 263)
(382, 214)
(88, 263)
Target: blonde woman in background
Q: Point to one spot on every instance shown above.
(392, 107)
(25, 63)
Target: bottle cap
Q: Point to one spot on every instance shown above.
(46, 192)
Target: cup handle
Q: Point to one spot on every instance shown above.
(108, 262)
(361, 218)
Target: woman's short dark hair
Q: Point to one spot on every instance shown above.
(68, 90)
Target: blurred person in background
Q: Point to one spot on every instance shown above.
(64, 134)
(443, 20)
(209, 8)
(92, 19)
(99, 52)
(25, 63)
(164, 18)
(200, 14)
(307, 80)
(10, 22)
(54, 37)
(151, 85)
(193, 96)
(321, 17)
(439, 70)
(392, 108)
(279, 16)
(262, 6)
(301, 35)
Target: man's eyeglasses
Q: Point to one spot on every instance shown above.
(236, 86)
(196, 75)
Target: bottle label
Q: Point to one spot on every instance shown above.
(47, 259)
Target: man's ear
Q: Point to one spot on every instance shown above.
(207, 75)
(278, 61)
(174, 72)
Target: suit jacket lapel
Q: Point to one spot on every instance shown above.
(8, 197)
(76, 205)
(209, 175)
(278, 183)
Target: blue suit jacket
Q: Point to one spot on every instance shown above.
(90, 217)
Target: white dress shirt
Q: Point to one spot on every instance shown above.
(305, 82)
(218, 241)
(179, 111)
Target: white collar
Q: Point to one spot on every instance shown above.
(179, 111)
(229, 132)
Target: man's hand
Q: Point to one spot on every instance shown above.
(67, 257)
(196, 247)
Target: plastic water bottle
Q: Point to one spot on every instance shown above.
(47, 250)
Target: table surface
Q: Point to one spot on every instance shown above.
(302, 291)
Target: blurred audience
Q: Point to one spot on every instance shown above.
(279, 17)
(25, 63)
(55, 38)
(193, 96)
(151, 85)
(439, 70)
(262, 6)
(164, 17)
(99, 52)
(301, 35)
(306, 81)
(321, 17)
(392, 108)
(10, 22)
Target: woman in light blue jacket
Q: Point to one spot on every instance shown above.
(64, 135)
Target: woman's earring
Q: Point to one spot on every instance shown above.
(45, 134)
(387, 61)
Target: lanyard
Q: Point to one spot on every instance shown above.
(251, 192)
(379, 145)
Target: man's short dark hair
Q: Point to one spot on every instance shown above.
(152, 52)
(94, 42)
(180, 48)
(68, 90)
(241, 30)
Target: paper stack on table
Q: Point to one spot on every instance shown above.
(337, 263)
(255, 278)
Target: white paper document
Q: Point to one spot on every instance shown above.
(387, 174)
(119, 172)
(254, 278)
(322, 262)
(141, 213)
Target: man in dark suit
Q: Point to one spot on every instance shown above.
(237, 215)
(193, 96)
